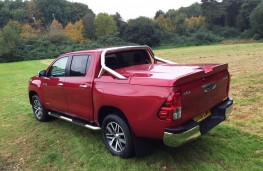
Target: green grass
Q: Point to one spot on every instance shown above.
(237, 144)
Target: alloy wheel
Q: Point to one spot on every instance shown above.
(115, 137)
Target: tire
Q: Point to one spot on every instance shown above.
(117, 136)
(40, 113)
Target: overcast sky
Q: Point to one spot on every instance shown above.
(130, 9)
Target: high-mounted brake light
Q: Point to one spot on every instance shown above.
(172, 107)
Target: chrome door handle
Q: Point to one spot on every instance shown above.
(60, 84)
(83, 86)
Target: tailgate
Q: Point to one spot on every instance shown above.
(202, 94)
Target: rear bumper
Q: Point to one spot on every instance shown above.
(191, 130)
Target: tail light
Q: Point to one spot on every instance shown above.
(172, 107)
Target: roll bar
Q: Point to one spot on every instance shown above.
(114, 73)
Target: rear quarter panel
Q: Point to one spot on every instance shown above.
(140, 105)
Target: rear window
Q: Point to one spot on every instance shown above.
(126, 58)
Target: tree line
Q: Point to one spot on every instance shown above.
(40, 29)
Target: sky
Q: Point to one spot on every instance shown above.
(130, 9)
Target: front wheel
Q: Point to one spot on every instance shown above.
(117, 136)
(40, 112)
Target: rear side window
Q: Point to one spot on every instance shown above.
(79, 65)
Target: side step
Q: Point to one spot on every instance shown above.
(75, 121)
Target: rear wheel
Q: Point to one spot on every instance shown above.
(117, 136)
(40, 112)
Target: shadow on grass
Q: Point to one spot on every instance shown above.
(223, 147)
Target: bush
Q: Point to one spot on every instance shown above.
(205, 37)
(58, 38)
(229, 32)
(256, 37)
(42, 48)
(177, 40)
(53, 45)
(200, 37)
(247, 34)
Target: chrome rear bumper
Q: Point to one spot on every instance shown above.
(176, 136)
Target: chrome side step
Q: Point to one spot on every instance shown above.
(75, 121)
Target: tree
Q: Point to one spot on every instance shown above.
(243, 16)
(55, 27)
(178, 18)
(11, 10)
(158, 14)
(213, 11)
(105, 25)
(179, 23)
(33, 12)
(144, 31)
(78, 11)
(122, 25)
(256, 19)
(54, 9)
(56, 34)
(28, 31)
(193, 10)
(195, 22)
(165, 22)
(5, 15)
(88, 25)
(231, 8)
(75, 32)
(70, 31)
(10, 40)
(20, 15)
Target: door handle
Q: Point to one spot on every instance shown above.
(60, 84)
(83, 86)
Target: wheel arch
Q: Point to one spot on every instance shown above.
(31, 94)
(106, 110)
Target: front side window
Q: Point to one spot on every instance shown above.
(79, 65)
(58, 69)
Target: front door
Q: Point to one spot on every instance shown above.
(53, 85)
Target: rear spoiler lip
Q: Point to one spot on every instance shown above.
(205, 72)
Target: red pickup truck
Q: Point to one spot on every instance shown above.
(129, 93)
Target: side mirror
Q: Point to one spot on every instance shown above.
(42, 73)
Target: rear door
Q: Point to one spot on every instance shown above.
(78, 87)
(52, 85)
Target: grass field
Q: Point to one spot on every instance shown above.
(236, 144)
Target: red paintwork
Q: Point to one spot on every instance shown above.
(140, 97)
